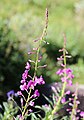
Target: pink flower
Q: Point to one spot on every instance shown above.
(21, 100)
(19, 116)
(30, 110)
(59, 72)
(19, 93)
(27, 66)
(62, 65)
(70, 104)
(67, 92)
(77, 102)
(23, 81)
(68, 70)
(82, 114)
(36, 94)
(60, 59)
(64, 79)
(39, 81)
(30, 84)
(69, 82)
(68, 109)
(63, 100)
(23, 87)
(46, 106)
(25, 74)
(70, 75)
(31, 103)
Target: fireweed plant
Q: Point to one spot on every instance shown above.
(29, 86)
(59, 99)
(67, 76)
(29, 83)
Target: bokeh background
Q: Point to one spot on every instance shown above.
(22, 21)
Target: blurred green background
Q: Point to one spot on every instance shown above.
(22, 21)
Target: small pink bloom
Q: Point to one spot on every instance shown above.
(68, 109)
(62, 65)
(19, 93)
(30, 84)
(31, 53)
(23, 81)
(59, 72)
(47, 106)
(25, 74)
(39, 81)
(19, 116)
(27, 66)
(36, 94)
(70, 75)
(73, 94)
(68, 92)
(60, 59)
(63, 79)
(69, 82)
(30, 110)
(63, 100)
(23, 87)
(77, 102)
(70, 104)
(82, 114)
(77, 118)
(60, 50)
(78, 111)
(21, 100)
(31, 103)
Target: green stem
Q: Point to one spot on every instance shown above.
(36, 62)
(38, 50)
(56, 108)
(25, 107)
(74, 106)
(36, 65)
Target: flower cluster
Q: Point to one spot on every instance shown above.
(73, 110)
(30, 85)
(25, 84)
(69, 76)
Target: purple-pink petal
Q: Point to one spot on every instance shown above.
(63, 100)
(59, 72)
(27, 66)
(23, 87)
(36, 93)
(67, 92)
(19, 93)
(31, 103)
(39, 81)
(69, 82)
(68, 70)
(82, 114)
(63, 79)
(23, 81)
(25, 74)
(30, 84)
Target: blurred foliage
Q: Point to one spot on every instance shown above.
(12, 59)
(22, 21)
(9, 111)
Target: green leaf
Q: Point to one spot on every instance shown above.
(48, 100)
